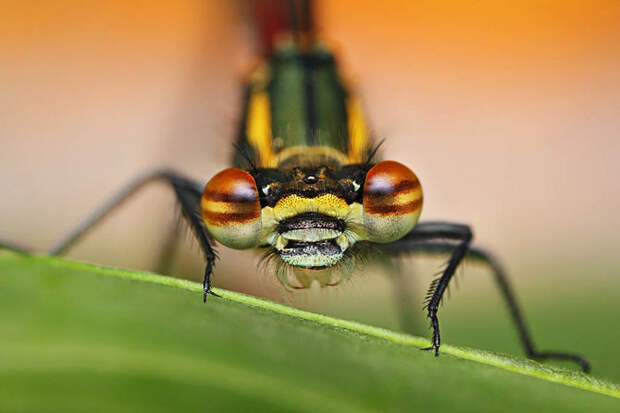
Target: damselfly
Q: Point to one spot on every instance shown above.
(307, 188)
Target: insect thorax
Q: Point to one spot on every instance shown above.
(298, 110)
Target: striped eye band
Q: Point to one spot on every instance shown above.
(231, 209)
(392, 201)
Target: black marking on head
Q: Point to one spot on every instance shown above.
(269, 178)
(346, 182)
(310, 179)
(352, 177)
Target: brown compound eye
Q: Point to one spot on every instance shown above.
(231, 209)
(392, 201)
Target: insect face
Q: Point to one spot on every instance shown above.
(311, 216)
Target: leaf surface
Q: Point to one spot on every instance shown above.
(77, 336)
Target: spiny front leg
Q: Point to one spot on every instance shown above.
(417, 242)
(441, 230)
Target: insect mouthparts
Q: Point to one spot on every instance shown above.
(311, 220)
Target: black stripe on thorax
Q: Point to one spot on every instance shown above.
(308, 65)
(319, 71)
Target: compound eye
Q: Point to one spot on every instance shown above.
(392, 201)
(231, 209)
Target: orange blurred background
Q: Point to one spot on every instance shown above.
(508, 112)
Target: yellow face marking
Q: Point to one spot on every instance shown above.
(358, 132)
(258, 128)
(327, 204)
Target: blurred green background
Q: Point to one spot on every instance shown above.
(506, 111)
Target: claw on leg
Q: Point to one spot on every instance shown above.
(207, 291)
(433, 347)
(436, 341)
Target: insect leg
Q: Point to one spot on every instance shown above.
(442, 230)
(412, 244)
(188, 193)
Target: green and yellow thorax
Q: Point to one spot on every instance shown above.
(299, 111)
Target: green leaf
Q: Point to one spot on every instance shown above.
(78, 337)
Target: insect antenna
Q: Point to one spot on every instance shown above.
(245, 156)
(373, 152)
